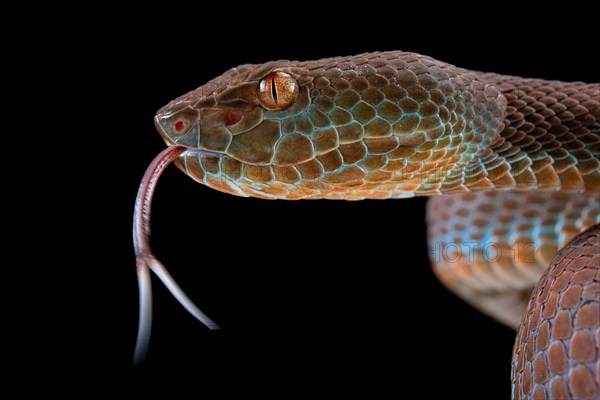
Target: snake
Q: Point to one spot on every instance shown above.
(512, 166)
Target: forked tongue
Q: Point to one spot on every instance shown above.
(146, 261)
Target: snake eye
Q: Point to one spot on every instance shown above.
(277, 91)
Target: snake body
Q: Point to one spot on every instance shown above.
(517, 162)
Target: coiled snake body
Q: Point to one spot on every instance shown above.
(517, 162)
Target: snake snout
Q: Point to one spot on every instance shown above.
(207, 128)
(179, 126)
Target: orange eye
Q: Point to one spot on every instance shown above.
(277, 91)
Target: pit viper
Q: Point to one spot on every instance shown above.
(512, 166)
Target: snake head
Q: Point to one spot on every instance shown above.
(240, 102)
(376, 125)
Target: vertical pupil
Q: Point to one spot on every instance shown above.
(274, 90)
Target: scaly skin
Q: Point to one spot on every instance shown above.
(395, 124)
(386, 125)
(556, 352)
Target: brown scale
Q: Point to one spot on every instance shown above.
(556, 353)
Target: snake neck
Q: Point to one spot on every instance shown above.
(550, 139)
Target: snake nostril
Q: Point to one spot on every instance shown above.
(233, 117)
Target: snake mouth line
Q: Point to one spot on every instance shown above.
(201, 151)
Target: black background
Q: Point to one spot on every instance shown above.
(331, 324)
